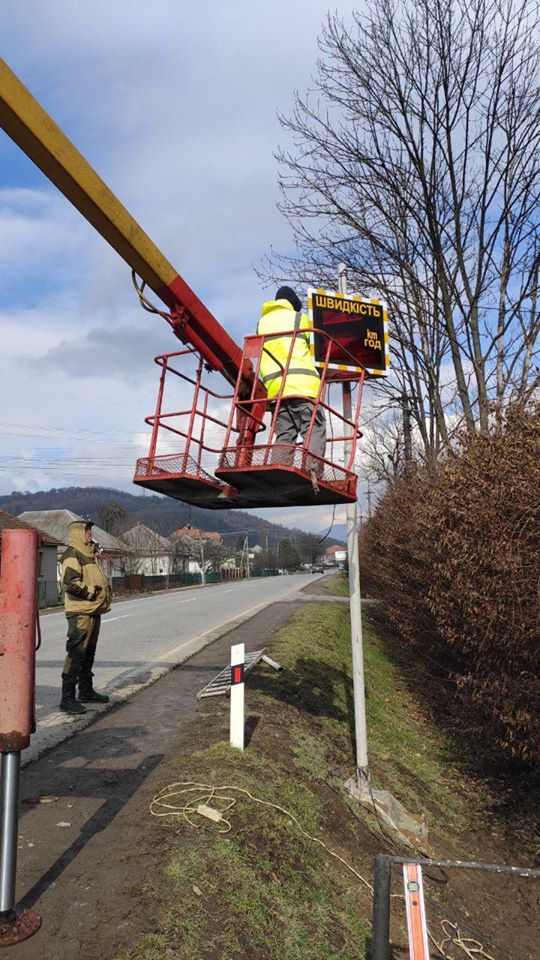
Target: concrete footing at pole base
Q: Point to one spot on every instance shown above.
(410, 830)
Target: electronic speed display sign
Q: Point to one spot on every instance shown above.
(359, 331)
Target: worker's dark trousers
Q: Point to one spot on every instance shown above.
(293, 419)
(82, 637)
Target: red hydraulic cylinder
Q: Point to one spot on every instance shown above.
(18, 614)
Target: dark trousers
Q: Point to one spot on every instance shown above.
(82, 637)
(293, 420)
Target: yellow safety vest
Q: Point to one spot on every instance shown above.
(302, 377)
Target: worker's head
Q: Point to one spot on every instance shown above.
(287, 293)
(79, 535)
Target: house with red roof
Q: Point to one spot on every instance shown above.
(336, 555)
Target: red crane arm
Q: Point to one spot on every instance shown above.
(33, 130)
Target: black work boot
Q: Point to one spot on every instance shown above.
(87, 694)
(68, 702)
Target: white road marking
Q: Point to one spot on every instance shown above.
(123, 617)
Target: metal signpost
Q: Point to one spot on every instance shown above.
(360, 724)
(358, 328)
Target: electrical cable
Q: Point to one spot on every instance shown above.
(214, 794)
(331, 527)
(145, 303)
(74, 432)
(461, 925)
(473, 948)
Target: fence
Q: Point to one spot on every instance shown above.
(143, 583)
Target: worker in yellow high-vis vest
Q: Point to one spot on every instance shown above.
(302, 382)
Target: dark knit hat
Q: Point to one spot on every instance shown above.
(287, 293)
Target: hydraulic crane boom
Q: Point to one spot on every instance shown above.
(33, 130)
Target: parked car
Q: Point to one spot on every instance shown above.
(317, 569)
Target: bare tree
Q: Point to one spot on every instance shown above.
(416, 161)
(179, 555)
(383, 449)
(208, 553)
(112, 517)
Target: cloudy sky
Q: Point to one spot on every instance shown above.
(176, 106)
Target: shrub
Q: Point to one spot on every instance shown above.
(454, 555)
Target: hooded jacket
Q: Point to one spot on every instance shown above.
(277, 317)
(85, 585)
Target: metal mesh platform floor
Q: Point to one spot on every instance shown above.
(274, 486)
(263, 482)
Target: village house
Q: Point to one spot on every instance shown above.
(336, 555)
(152, 554)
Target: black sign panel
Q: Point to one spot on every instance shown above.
(358, 329)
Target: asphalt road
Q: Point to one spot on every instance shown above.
(143, 638)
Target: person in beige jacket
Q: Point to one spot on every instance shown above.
(86, 596)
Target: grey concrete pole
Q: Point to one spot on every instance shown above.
(10, 766)
(360, 726)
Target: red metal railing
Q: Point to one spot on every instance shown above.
(214, 440)
(248, 411)
(189, 423)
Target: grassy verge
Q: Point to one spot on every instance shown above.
(336, 586)
(263, 889)
(407, 755)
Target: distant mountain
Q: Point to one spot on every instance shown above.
(160, 513)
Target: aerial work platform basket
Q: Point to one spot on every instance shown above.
(221, 463)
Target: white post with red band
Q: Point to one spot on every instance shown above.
(237, 695)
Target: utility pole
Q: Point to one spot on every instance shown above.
(246, 547)
(360, 726)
